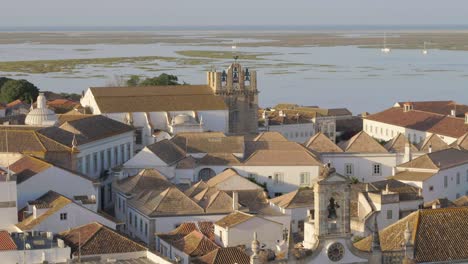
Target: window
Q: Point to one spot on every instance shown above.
(141, 225)
(136, 223)
(129, 151)
(130, 218)
(109, 158)
(278, 194)
(458, 178)
(109, 192)
(120, 203)
(103, 163)
(445, 181)
(122, 153)
(367, 130)
(164, 250)
(376, 169)
(386, 132)
(297, 134)
(466, 175)
(371, 129)
(87, 164)
(79, 165)
(139, 136)
(95, 162)
(381, 131)
(431, 188)
(63, 216)
(116, 155)
(392, 133)
(278, 178)
(305, 178)
(146, 229)
(389, 214)
(349, 171)
(221, 235)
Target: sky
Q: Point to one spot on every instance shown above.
(179, 13)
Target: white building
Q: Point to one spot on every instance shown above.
(173, 109)
(419, 120)
(236, 228)
(8, 201)
(56, 213)
(441, 174)
(34, 177)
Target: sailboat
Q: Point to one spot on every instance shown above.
(385, 49)
(424, 51)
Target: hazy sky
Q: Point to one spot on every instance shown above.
(223, 12)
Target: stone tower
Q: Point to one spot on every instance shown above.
(238, 87)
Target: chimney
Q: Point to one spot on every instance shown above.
(453, 112)
(408, 156)
(235, 201)
(407, 107)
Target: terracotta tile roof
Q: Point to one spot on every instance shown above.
(6, 242)
(397, 144)
(62, 103)
(187, 163)
(282, 158)
(147, 179)
(209, 142)
(156, 99)
(51, 200)
(462, 201)
(28, 140)
(270, 136)
(96, 239)
(196, 188)
(412, 176)
(195, 244)
(233, 219)
(230, 174)
(439, 107)
(219, 159)
(229, 255)
(71, 116)
(15, 103)
(27, 167)
(438, 160)
(438, 235)
(422, 120)
(462, 142)
(322, 144)
(167, 151)
(168, 202)
(433, 141)
(363, 143)
(297, 199)
(206, 228)
(405, 191)
(215, 201)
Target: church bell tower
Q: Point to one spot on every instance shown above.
(238, 87)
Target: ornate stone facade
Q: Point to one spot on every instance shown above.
(238, 87)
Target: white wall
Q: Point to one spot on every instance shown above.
(8, 210)
(54, 255)
(76, 216)
(57, 180)
(295, 132)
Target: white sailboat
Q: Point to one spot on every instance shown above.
(424, 51)
(385, 49)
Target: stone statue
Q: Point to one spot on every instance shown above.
(332, 208)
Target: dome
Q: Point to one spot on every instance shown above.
(41, 116)
(184, 119)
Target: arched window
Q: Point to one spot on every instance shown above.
(206, 174)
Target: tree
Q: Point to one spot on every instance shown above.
(163, 79)
(3, 80)
(18, 89)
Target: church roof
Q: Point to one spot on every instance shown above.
(157, 99)
(437, 235)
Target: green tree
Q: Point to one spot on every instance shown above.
(18, 89)
(163, 79)
(3, 80)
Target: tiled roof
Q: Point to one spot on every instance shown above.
(6, 242)
(27, 167)
(282, 158)
(71, 116)
(229, 255)
(230, 174)
(363, 143)
(233, 219)
(168, 202)
(215, 201)
(322, 144)
(96, 239)
(187, 163)
(206, 228)
(442, 159)
(270, 136)
(28, 140)
(167, 151)
(440, 203)
(405, 191)
(398, 143)
(438, 235)
(195, 244)
(219, 159)
(156, 99)
(147, 179)
(462, 142)
(462, 201)
(196, 188)
(51, 200)
(15, 103)
(433, 142)
(339, 112)
(439, 107)
(422, 119)
(412, 176)
(297, 199)
(209, 142)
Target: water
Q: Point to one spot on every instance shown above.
(345, 76)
